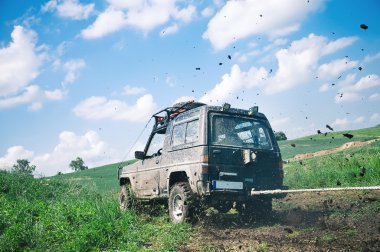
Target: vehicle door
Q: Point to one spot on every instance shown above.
(148, 176)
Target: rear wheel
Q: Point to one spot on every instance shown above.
(180, 202)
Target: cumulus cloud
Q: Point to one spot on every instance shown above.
(369, 81)
(88, 146)
(359, 120)
(341, 122)
(278, 123)
(169, 30)
(241, 19)
(233, 82)
(184, 99)
(370, 58)
(296, 66)
(107, 22)
(374, 97)
(97, 107)
(13, 154)
(207, 12)
(143, 15)
(69, 9)
(19, 62)
(375, 117)
(72, 68)
(128, 90)
(30, 94)
(347, 97)
(298, 63)
(335, 68)
(324, 87)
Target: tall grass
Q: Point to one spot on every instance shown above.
(49, 215)
(358, 166)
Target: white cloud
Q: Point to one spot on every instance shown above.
(19, 62)
(184, 99)
(169, 30)
(141, 14)
(324, 87)
(365, 82)
(207, 12)
(360, 119)
(54, 95)
(375, 117)
(341, 122)
(97, 107)
(241, 19)
(128, 90)
(335, 68)
(72, 68)
(35, 106)
(88, 146)
(13, 154)
(278, 123)
(296, 66)
(374, 97)
(347, 97)
(109, 21)
(30, 94)
(69, 8)
(298, 63)
(234, 81)
(370, 58)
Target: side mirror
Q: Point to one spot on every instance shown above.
(139, 155)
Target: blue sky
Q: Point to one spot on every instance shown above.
(81, 78)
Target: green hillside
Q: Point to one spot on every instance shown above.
(100, 179)
(319, 142)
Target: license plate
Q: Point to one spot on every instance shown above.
(220, 184)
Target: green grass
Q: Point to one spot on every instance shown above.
(338, 169)
(102, 179)
(51, 215)
(319, 142)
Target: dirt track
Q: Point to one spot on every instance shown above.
(348, 221)
(334, 150)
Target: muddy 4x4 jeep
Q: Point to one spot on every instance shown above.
(210, 154)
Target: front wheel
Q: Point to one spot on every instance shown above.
(125, 197)
(180, 202)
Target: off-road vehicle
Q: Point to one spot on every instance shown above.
(210, 155)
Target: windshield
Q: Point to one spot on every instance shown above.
(240, 132)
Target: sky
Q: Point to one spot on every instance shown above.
(82, 77)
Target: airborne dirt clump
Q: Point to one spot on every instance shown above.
(303, 222)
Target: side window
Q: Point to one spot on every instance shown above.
(192, 131)
(179, 134)
(185, 133)
(156, 144)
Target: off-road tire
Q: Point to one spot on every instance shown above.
(126, 199)
(181, 202)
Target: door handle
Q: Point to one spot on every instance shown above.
(157, 161)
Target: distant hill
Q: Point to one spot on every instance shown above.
(324, 141)
(101, 179)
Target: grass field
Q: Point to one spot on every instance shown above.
(51, 215)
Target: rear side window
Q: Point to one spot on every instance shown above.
(185, 133)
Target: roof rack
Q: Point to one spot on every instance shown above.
(172, 112)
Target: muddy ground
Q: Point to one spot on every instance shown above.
(334, 221)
